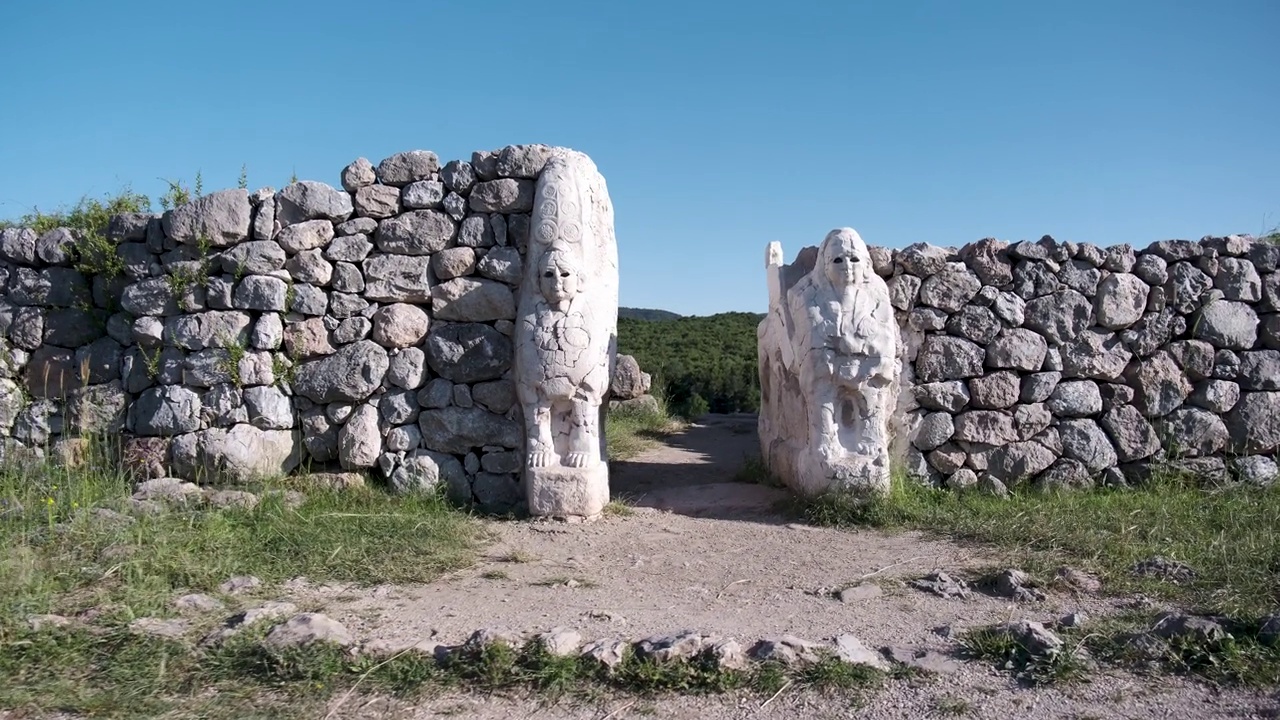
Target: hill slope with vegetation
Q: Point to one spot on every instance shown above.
(701, 364)
(647, 314)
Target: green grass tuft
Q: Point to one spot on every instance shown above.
(1238, 659)
(629, 432)
(1004, 651)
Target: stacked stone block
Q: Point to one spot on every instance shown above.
(61, 347)
(1068, 365)
(367, 327)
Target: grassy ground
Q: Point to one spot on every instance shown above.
(630, 432)
(63, 554)
(121, 675)
(75, 547)
(66, 552)
(1227, 536)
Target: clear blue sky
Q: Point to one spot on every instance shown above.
(719, 126)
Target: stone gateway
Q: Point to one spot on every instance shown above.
(454, 327)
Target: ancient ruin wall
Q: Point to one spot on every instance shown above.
(367, 326)
(1069, 365)
(371, 327)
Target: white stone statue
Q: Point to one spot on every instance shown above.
(566, 339)
(829, 365)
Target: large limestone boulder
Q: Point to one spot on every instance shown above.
(311, 200)
(629, 382)
(220, 218)
(240, 453)
(349, 375)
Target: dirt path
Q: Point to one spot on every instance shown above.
(703, 552)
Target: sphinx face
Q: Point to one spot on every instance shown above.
(558, 278)
(845, 258)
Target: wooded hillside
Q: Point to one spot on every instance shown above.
(702, 364)
(647, 314)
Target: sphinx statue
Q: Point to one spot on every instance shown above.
(566, 339)
(828, 351)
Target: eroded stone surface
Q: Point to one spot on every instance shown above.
(566, 317)
(829, 365)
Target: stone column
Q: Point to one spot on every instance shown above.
(566, 339)
(828, 369)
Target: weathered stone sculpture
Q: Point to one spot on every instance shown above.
(828, 369)
(566, 338)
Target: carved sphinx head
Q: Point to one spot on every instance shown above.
(558, 278)
(844, 258)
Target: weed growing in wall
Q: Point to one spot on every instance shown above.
(231, 363)
(152, 362)
(186, 276)
(179, 194)
(88, 220)
(284, 367)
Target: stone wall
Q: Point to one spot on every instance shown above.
(249, 333)
(1068, 365)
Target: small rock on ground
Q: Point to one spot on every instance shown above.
(788, 649)
(308, 629)
(1073, 620)
(336, 481)
(382, 648)
(239, 584)
(1177, 625)
(851, 650)
(267, 611)
(942, 585)
(1034, 637)
(729, 655)
(158, 627)
(922, 659)
(863, 591)
(485, 637)
(663, 648)
(1144, 647)
(198, 602)
(168, 489)
(290, 499)
(561, 642)
(223, 499)
(1013, 583)
(1166, 569)
(1078, 580)
(608, 653)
